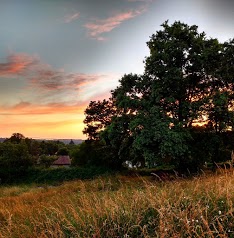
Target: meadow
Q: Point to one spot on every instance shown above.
(121, 206)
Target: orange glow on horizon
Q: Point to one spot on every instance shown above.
(48, 121)
(71, 129)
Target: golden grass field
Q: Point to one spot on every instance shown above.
(121, 206)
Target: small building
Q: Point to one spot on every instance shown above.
(62, 161)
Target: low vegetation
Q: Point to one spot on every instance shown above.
(120, 206)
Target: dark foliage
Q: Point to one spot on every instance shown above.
(187, 83)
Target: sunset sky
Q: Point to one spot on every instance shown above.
(57, 55)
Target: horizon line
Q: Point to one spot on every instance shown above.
(43, 138)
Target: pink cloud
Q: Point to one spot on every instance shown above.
(45, 85)
(21, 105)
(27, 108)
(44, 76)
(16, 64)
(71, 17)
(100, 26)
(54, 80)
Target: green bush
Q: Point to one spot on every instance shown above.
(55, 176)
(63, 151)
(47, 161)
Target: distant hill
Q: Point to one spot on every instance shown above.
(65, 141)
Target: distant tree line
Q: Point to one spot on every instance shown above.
(19, 153)
(178, 112)
(24, 159)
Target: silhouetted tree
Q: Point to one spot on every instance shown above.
(98, 116)
(71, 142)
(16, 138)
(187, 80)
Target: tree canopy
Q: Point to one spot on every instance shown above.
(188, 82)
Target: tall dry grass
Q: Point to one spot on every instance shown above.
(121, 207)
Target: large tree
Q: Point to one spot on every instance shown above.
(184, 84)
(188, 81)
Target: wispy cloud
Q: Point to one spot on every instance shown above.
(54, 79)
(71, 17)
(28, 108)
(43, 75)
(16, 64)
(99, 26)
(44, 84)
